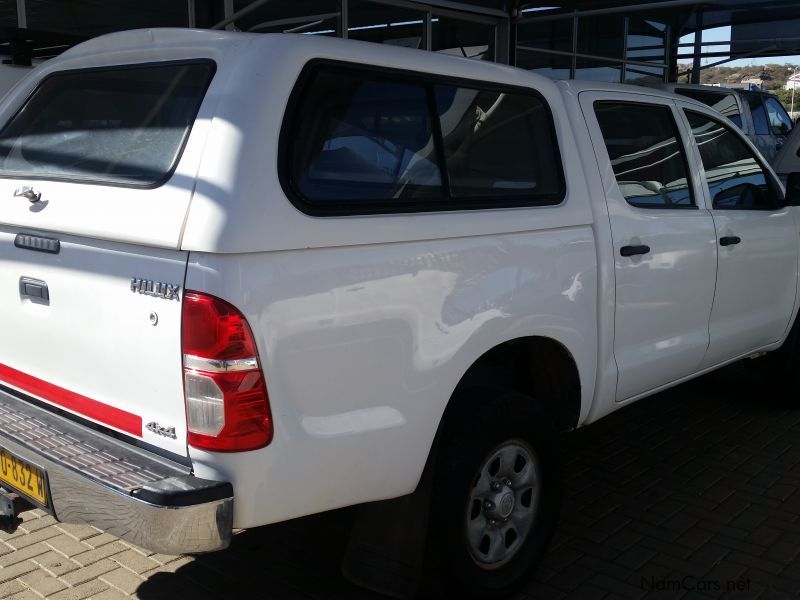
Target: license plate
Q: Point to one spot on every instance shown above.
(23, 477)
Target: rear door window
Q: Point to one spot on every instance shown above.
(123, 125)
(646, 153)
(721, 102)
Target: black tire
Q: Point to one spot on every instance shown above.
(780, 370)
(484, 420)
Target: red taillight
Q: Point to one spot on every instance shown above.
(227, 408)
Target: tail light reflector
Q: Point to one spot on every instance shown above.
(227, 407)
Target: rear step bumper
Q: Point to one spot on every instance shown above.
(129, 492)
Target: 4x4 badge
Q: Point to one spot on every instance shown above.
(161, 430)
(148, 287)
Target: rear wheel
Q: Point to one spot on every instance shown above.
(496, 493)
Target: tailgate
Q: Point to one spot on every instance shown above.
(79, 335)
(101, 158)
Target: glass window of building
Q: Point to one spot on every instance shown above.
(311, 17)
(549, 35)
(643, 73)
(646, 42)
(459, 37)
(602, 37)
(384, 24)
(598, 70)
(8, 14)
(95, 18)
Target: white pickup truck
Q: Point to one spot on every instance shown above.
(246, 278)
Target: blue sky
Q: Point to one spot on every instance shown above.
(723, 34)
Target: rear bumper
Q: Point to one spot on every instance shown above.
(126, 491)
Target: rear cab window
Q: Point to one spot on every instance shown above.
(124, 125)
(361, 140)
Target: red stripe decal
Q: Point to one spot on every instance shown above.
(97, 411)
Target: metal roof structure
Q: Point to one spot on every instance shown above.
(32, 29)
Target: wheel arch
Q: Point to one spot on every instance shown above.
(538, 366)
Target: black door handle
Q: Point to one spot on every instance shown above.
(730, 240)
(634, 250)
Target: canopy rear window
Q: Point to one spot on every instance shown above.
(125, 124)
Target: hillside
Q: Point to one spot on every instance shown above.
(773, 75)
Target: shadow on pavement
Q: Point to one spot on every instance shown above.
(698, 486)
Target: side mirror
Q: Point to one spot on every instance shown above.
(793, 190)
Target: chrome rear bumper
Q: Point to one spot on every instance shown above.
(126, 491)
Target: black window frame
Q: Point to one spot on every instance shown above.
(446, 203)
(772, 181)
(678, 136)
(111, 182)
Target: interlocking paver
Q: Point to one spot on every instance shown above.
(11, 587)
(90, 572)
(123, 580)
(67, 545)
(104, 551)
(29, 539)
(17, 570)
(42, 582)
(24, 595)
(84, 590)
(79, 532)
(55, 564)
(25, 553)
(110, 594)
(134, 561)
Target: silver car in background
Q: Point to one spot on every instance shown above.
(760, 115)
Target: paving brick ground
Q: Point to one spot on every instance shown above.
(694, 493)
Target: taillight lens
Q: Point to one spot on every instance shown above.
(227, 408)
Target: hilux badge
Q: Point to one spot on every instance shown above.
(158, 289)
